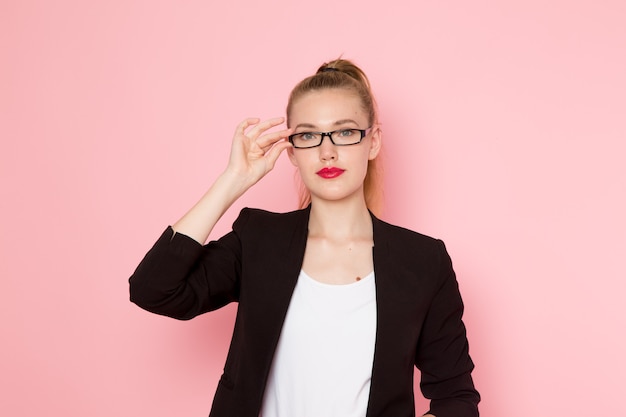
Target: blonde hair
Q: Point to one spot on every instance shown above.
(343, 74)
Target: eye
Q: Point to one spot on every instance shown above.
(346, 133)
(307, 136)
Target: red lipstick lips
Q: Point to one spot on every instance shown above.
(330, 172)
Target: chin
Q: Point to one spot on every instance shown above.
(336, 196)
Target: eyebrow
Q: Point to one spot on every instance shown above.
(337, 123)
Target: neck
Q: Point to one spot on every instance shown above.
(340, 219)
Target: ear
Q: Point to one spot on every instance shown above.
(375, 142)
(292, 157)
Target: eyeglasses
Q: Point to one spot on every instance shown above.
(342, 137)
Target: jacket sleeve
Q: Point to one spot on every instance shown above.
(181, 278)
(443, 353)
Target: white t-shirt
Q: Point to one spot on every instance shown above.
(323, 362)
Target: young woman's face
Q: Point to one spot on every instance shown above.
(333, 172)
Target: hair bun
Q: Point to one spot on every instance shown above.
(346, 67)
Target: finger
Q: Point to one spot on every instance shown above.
(266, 141)
(274, 153)
(261, 127)
(241, 127)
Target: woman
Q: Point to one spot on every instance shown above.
(336, 307)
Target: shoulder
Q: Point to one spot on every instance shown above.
(403, 243)
(401, 234)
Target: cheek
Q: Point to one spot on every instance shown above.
(302, 158)
(363, 169)
(358, 164)
(292, 157)
(365, 158)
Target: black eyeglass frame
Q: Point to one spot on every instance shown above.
(363, 132)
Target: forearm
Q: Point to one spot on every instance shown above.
(200, 220)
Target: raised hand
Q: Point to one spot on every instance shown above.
(254, 153)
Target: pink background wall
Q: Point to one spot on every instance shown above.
(505, 131)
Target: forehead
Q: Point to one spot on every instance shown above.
(323, 108)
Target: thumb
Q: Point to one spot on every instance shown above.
(273, 154)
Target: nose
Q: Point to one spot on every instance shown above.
(328, 151)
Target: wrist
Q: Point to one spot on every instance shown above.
(232, 184)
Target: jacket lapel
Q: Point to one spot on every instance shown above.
(382, 273)
(269, 294)
(389, 372)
